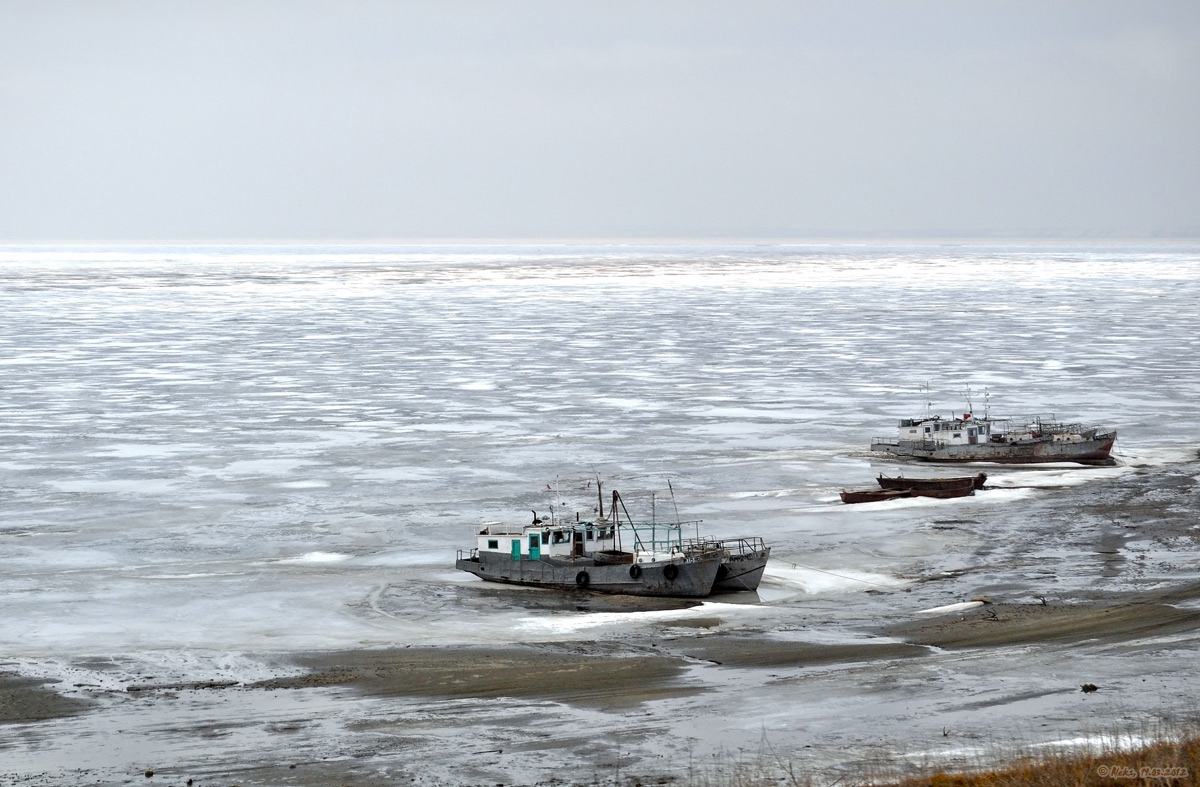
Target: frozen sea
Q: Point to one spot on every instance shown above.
(215, 455)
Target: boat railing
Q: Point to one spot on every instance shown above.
(1079, 429)
(658, 541)
(702, 545)
(892, 442)
(499, 529)
(665, 537)
(1043, 425)
(734, 546)
(468, 554)
(745, 546)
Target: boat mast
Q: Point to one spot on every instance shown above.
(617, 499)
(616, 518)
(678, 523)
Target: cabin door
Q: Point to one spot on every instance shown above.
(577, 544)
(535, 547)
(972, 436)
(516, 549)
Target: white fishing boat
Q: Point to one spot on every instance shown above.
(611, 554)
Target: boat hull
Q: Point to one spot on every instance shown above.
(945, 494)
(686, 579)
(872, 495)
(902, 483)
(741, 572)
(1088, 452)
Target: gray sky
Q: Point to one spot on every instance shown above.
(522, 119)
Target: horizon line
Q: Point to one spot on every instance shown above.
(814, 240)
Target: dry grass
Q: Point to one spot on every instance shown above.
(1168, 761)
(764, 768)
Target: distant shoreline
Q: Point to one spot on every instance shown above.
(883, 241)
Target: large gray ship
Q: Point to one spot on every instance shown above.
(1007, 440)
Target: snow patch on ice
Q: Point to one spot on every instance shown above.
(816, 580)
(316, 557)
(565, 624)
(950, 608)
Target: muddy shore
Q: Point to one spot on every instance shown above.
(614, 676)
(24, 700)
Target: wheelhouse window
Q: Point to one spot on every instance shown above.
(493, 543)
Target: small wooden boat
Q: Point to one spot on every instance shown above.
(873, 495)
(974, 482)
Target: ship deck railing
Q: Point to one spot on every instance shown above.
(1046, 424)
(748, 545)
(655, 538)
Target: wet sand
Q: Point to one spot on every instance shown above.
(743, 652)
(617, 675)
(25, 700)
(998, 625)
(605, 680)
(616, 678)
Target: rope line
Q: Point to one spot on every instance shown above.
(840, 576)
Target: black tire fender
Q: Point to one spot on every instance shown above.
(670, 572)
(635, 571)
(582, 579)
